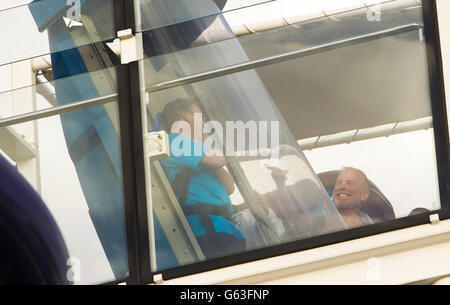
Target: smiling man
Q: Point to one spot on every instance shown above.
(350, 194)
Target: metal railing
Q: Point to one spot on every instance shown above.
(214, 73)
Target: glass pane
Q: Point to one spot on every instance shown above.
(65, 24)
(294, 34)
(98, 85)
(73, 161)
(239, 13)
(355, 97)
(172, 12)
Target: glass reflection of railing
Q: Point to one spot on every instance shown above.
(281, 58)
(58, 110)
(45, 88)
(96, 24)
(220, 72)
(256, 11)
(373, 11)
(290, 35)
(366, 133)
(214, 9)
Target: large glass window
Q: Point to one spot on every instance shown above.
(59, 125)
(67, 24)
(285, 121)
(264, 124)
(77, 172)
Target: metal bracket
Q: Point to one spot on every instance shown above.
(128, 46)
(156, 145)
(158, 279)
(434, 219)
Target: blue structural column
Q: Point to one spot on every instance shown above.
(92, 142)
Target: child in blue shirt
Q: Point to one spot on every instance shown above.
(206, 183)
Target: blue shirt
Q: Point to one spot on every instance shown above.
(203, 186)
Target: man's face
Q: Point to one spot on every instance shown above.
(350, 190)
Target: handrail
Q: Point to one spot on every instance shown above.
(281, 58)
(214, 73)
(17, 119)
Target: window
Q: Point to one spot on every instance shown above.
(60, 127)
(243, 129)
(324, 116)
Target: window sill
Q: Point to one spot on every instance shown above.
(397, 257)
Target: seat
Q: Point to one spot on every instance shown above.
(377, 205)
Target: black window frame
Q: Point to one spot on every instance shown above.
(134, 176)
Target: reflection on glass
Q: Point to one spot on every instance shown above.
(97, 84)
(73, 161)
(67, 26)
(280, 38)
(79, 68)
(172, 12)
(236, 170)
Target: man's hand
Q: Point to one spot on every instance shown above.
(260, 199)
(278, 175)
(226, 179)
(214, 158)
